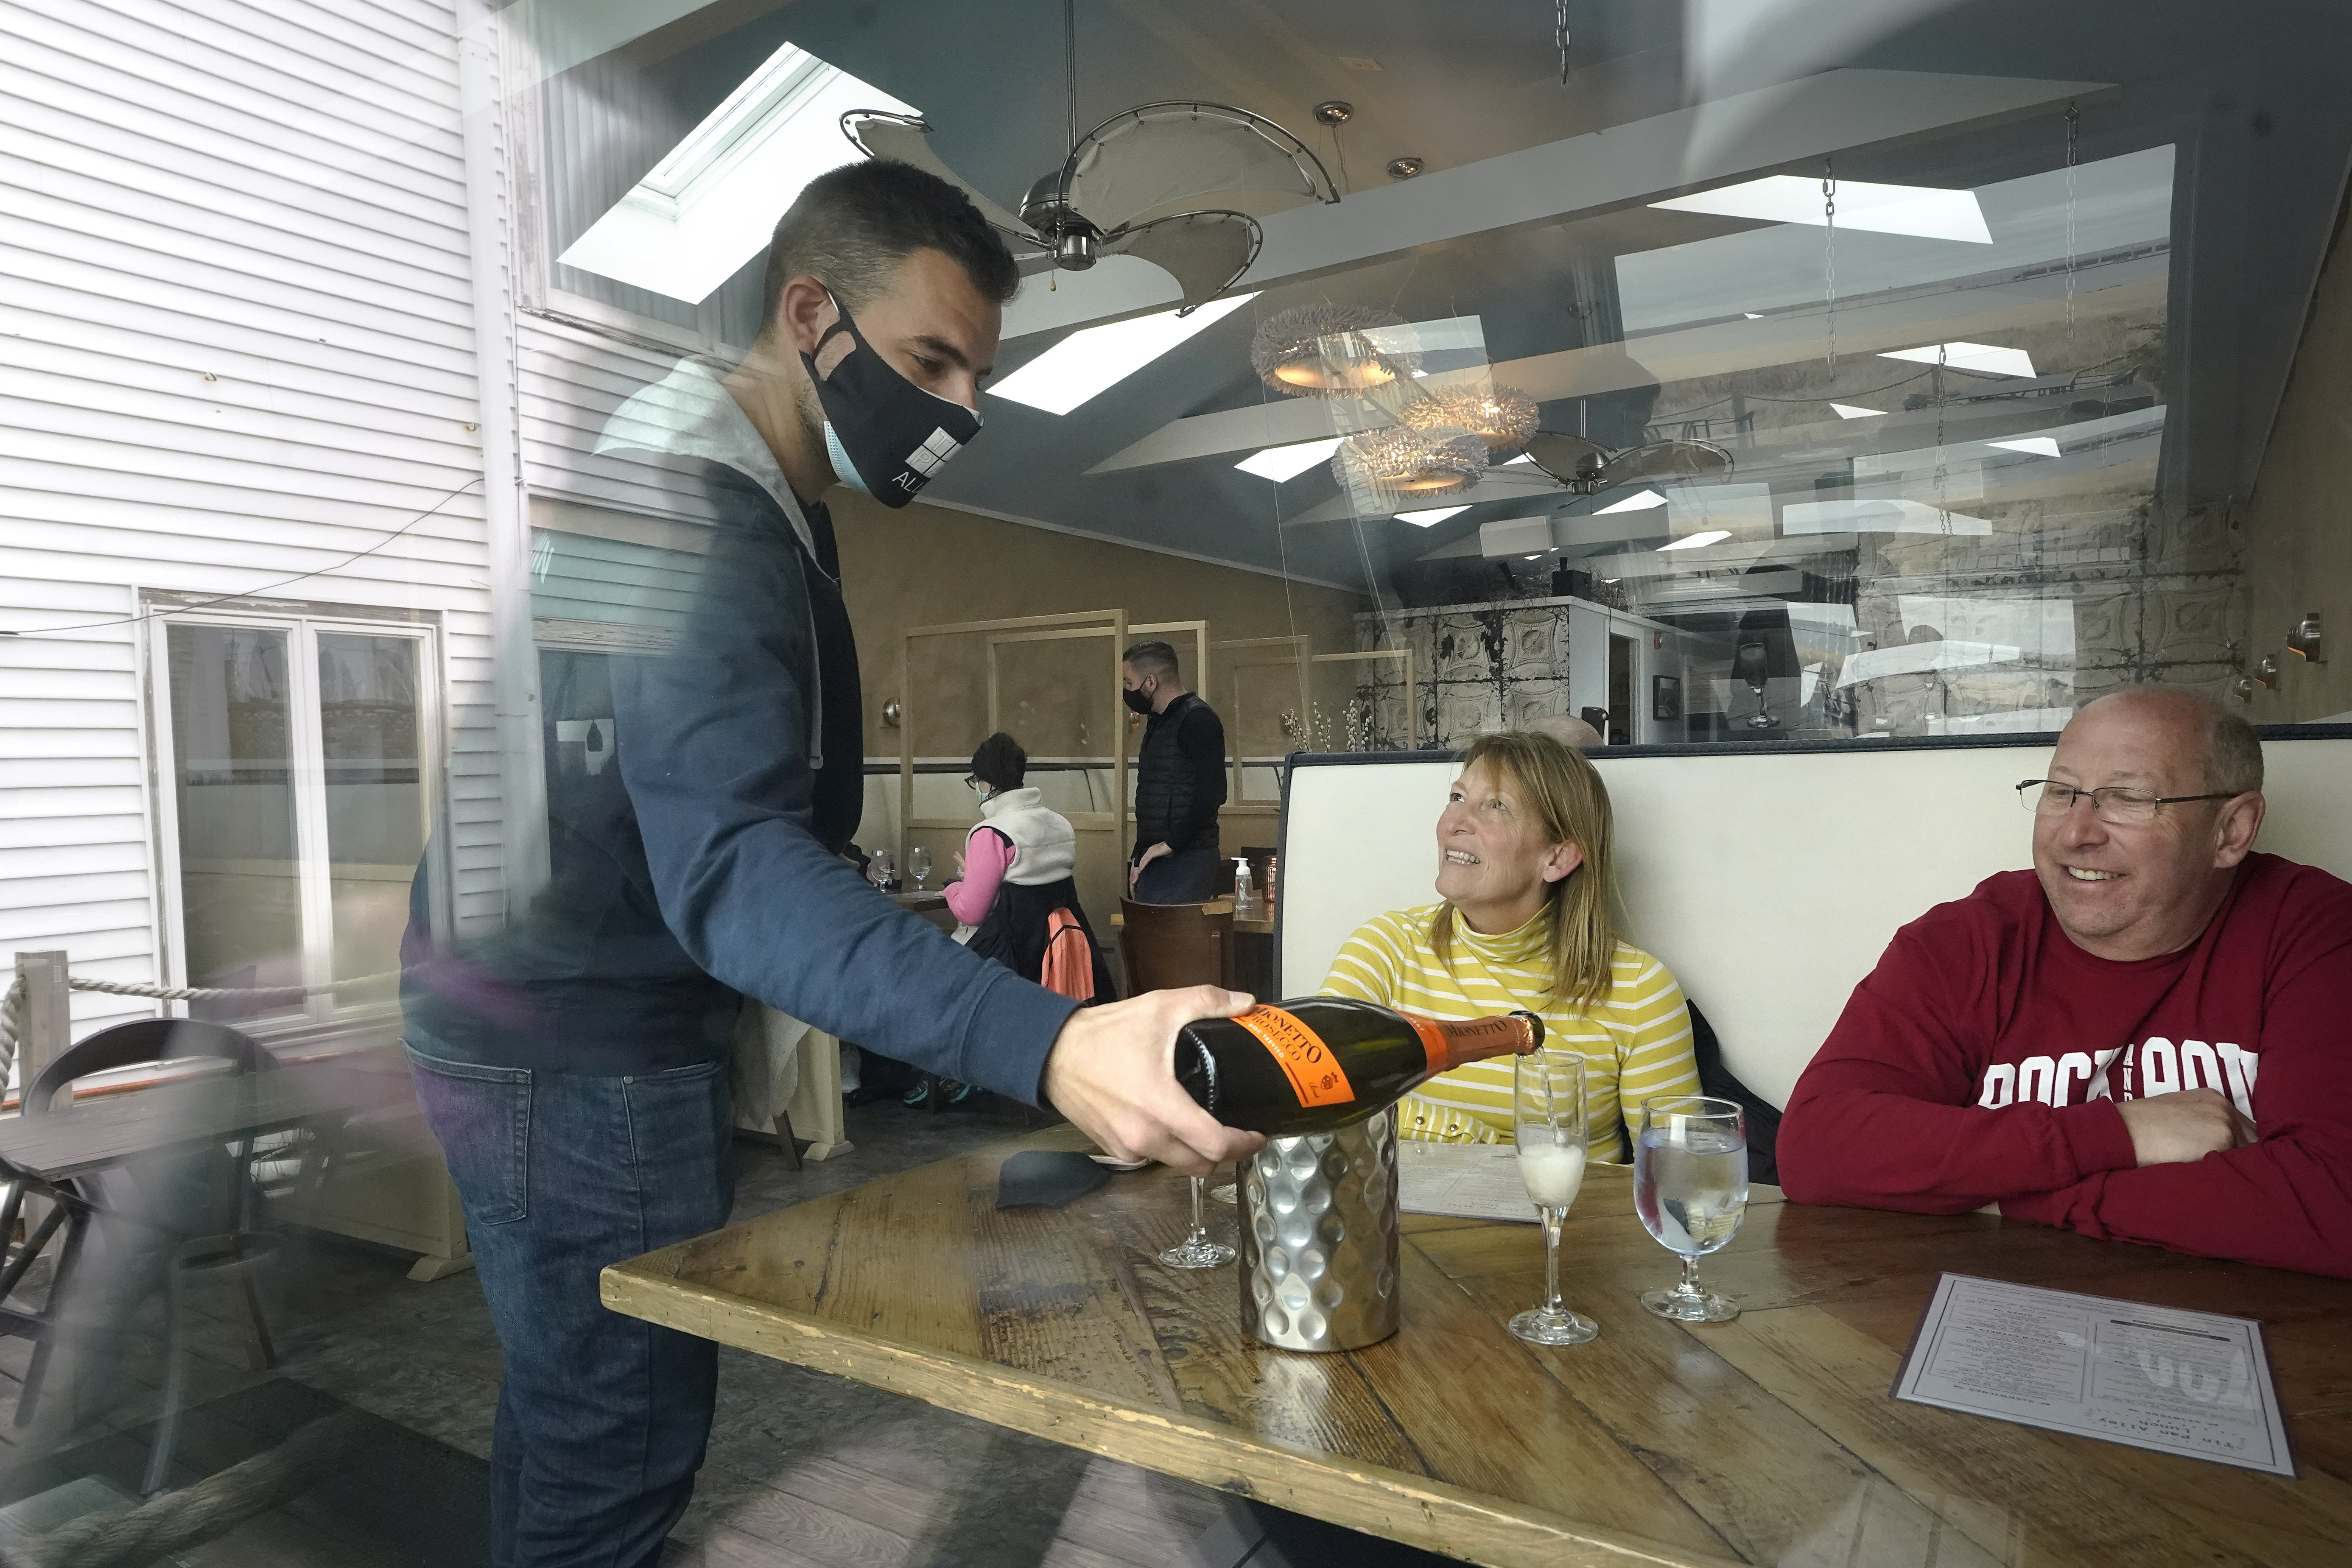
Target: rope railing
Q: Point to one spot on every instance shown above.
(11, 1005)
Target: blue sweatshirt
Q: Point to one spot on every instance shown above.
(702, 865)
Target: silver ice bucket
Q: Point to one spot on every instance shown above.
(1318, 1255)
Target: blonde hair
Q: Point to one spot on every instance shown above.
(1569, 805)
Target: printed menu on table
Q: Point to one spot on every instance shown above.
(2197, 1384)
(1466, 1181)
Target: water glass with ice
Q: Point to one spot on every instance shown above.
(1690, 1187)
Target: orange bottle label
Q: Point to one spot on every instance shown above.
(1314, 1072)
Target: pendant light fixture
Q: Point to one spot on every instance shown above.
(1404, 462)
(1501, 416)
(1319, 351)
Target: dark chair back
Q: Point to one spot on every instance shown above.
(1763, 1118)
(1169, 945)
(139, 1042)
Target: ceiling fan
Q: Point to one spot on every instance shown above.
(1587, 467)
(1136, 185)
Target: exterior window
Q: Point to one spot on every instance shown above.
(301, 803)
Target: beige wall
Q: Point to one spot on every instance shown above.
(927, 565)
(2299, 529)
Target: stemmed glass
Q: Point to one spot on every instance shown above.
(1548, 1122)
(881, 868)
(918, 861)
(1196, 1250)
(1690, 1187)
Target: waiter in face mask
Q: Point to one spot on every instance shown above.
(1180, 782)
(573, 1066)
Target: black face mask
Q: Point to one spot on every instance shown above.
(1136, 700)
(884, 434)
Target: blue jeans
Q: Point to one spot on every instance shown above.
(601, 1418)
(1187, 877)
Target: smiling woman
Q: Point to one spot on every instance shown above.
(1529, 920)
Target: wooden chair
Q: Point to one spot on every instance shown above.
(1176, 944)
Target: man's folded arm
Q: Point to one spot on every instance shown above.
(713, 737)
(2285, 1199)
(1884, 1115)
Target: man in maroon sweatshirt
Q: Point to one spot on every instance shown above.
(2147, 1037)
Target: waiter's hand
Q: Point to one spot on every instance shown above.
(1146, 859)
(1112, 1073)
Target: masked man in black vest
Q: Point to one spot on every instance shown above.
(573, 1062)
(1180, 783)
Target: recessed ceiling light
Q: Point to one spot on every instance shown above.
(1535, 557)
(1753, 315)
(711, 203)
(2038, 446)
(1084, 363)
(1981, 357)
(1855, 411)
(1280, 463)
(1430, 517)
(1643, 501)
(1693, 541)
(1922, 210)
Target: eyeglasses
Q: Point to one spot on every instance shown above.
(2124, 808)
(972, 781)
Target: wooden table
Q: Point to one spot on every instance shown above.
(104, 1131)
(1769, 1439)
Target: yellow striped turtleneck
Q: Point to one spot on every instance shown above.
(1637, 1037)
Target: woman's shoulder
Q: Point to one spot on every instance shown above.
(1403, 929)
(1637, 978)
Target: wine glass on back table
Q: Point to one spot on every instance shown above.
(1690, 1187)
(1547, 1124)
(919, 862)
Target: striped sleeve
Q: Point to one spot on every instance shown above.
(1370, 964)
(1652, 1038)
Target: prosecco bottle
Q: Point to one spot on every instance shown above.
(1321, 1062)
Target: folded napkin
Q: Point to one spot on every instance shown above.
(1046, 1179)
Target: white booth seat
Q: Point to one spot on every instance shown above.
(1769, 875)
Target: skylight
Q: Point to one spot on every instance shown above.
(1640, 501)
(1086, 363)
(1855, 411)
(1280, 463)
(1693, 541)
(1982, 357)
(1430, 517)
(1923, 211)
(709, 206)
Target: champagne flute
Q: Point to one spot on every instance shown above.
(1196, 1250)
(1690, 1187)
(1548, 1123)
(918, 861)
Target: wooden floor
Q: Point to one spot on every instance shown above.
(805, 1470)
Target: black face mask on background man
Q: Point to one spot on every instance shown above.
(884, 434)
(1137, 699)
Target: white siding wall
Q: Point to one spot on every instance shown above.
(236, 344)
(571, 380)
